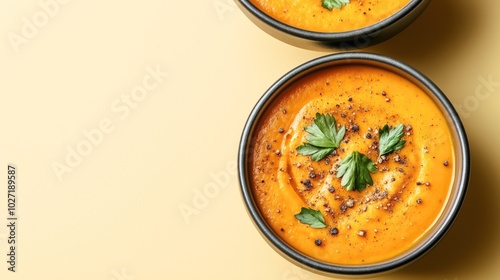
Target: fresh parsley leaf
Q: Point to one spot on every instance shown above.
(355, 171)
(323, 139)
(330, 4)
(311, 217)
(317, 153)
(390, 141)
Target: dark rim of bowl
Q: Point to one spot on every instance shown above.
(320, 63)
(331, 36)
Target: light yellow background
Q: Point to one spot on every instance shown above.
(115, 214)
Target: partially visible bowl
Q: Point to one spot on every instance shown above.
(345, 40)
(276, 181)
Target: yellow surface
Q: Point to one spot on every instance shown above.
(116, 215)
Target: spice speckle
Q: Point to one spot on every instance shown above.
(343, 207)
(350, 203)
(307, 183)
(318, 242)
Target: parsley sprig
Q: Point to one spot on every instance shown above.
(324, 137)
(390, 140)
(355, 171)
(356, 168)
(311, 217)
(330, 4)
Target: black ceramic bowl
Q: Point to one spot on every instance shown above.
(451, 208)
(355, 39)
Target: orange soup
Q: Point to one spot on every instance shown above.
(310, 15)
(409, 187)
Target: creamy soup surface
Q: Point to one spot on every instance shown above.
(410, 186)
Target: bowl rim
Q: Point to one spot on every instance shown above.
(303, 260)
(331, 36)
